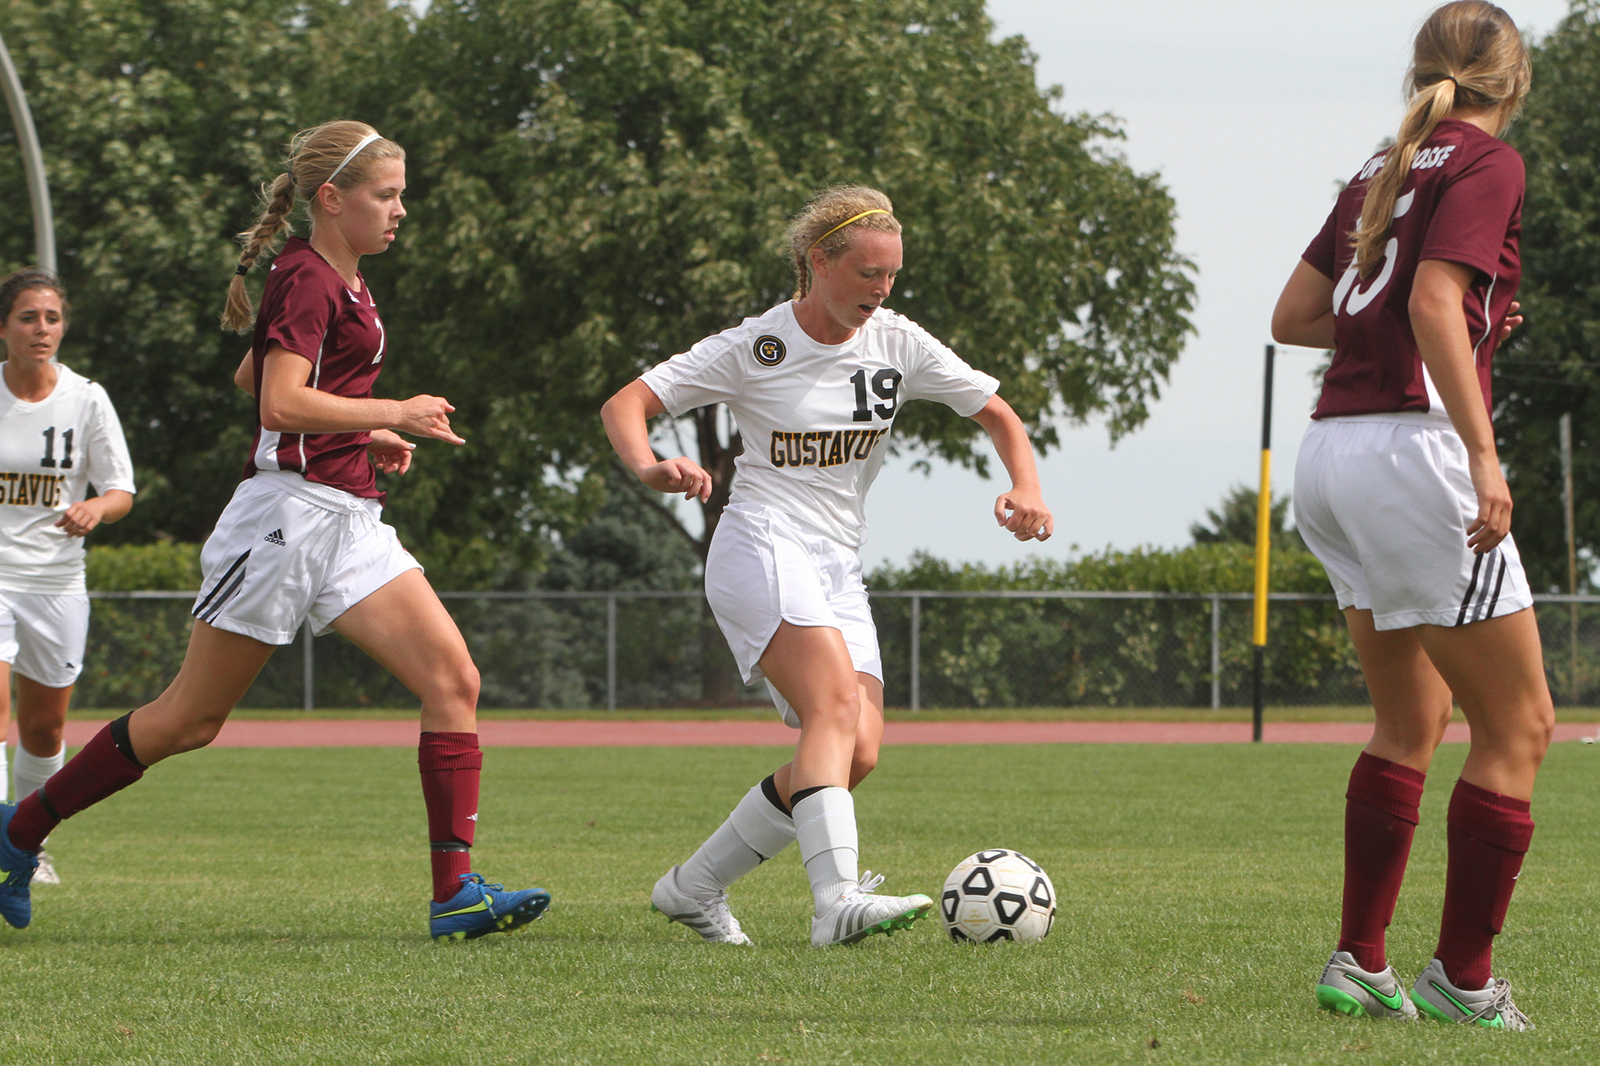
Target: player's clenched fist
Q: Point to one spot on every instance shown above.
(678, 475)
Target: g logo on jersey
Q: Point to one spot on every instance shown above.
(769, 350)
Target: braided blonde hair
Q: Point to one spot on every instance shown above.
(1467, 54)
(313, 159)
(819, 225)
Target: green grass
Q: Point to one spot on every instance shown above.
(267, 907)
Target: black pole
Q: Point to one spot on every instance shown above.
(1263, 550)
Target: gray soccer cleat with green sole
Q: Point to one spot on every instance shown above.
(1347, 988)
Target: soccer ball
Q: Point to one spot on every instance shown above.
(998, 895)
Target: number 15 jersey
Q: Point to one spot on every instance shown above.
(815, 418)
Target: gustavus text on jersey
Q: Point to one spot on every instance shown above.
(823, 447)
(30, 490)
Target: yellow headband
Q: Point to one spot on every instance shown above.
(842, 225)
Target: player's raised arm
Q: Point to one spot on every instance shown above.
(1020, 510)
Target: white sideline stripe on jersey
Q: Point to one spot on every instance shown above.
(266, 456)
(316, 378)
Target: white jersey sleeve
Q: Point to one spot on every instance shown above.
(106, 450)
(937, 373)
(705, 374)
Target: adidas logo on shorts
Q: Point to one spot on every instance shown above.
(275, 537)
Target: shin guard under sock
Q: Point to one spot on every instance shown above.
(1489, 835)
(105, 766)
(451, 765)
(1380, 817)
(756, 831)
(825, 826)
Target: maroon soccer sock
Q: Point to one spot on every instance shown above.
(1489, 834)
(104, 766)
(451, 764)
(1380, 816)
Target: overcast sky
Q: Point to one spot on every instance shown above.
(1250, 110)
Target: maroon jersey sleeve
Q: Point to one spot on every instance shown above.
(1323, 251)
(301, 314)
(1475, 210)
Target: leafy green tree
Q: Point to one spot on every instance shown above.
(1552, 366)
(599, 184)
(1235, 522)
(594, 185)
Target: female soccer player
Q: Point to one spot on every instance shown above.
(814, 384)
(1399, 493)
(58, 435)
(301, 542)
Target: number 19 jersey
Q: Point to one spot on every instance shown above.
(50, 453)
(815, 418)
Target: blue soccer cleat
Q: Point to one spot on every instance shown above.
(479, 909)
(16, 906)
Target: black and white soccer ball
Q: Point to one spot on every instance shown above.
(998, 895)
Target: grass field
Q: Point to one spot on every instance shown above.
(266, 906)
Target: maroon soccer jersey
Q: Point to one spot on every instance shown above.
(1462, 202)
(308, 309)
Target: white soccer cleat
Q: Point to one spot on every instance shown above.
(859, 913)
(711, 918)
(46, 873)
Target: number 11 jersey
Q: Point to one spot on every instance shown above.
(50, 453)
(815, 418)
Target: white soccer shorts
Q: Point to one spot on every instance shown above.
(1384, 502)
(763, 568)
(287, 551)
(42, 635)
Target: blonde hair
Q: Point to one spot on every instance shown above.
(821, 224)
(1467, 54)
(314, 157)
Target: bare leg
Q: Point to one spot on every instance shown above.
(811, 666)
(1410, 701)
(869, 737)
(1496, 669)
(407, 630)
(41, 716)
(217, 671)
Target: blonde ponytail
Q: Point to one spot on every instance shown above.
(1468, 54)
(342, 152)
(277, 200)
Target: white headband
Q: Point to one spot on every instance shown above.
(368, 139)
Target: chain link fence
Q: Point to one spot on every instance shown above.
(967, 650)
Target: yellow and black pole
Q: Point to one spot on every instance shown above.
(1263, 548)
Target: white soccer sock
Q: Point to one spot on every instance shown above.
(5, 778)
(755, 832)
(30, 772)
(825, 824)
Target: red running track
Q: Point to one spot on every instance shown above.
(495, 733)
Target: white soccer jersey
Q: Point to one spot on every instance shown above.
(815, 417)
(50, 453)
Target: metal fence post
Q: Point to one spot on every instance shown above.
(916, 652)
(1216, 652)
(611, 651)
(308, 666)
